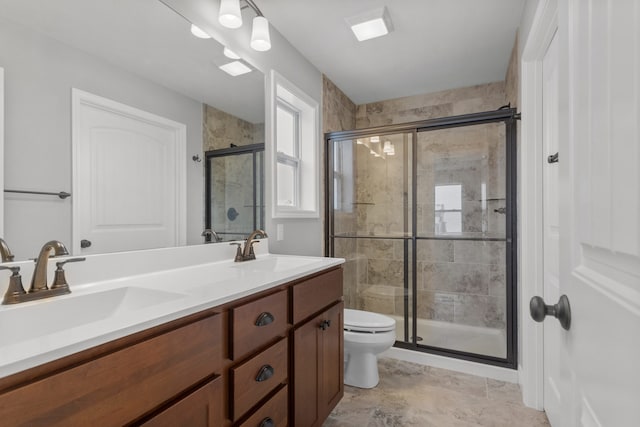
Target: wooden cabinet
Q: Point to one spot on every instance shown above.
(318, 351)
(237, 364)
(121, 385)
(200, 408)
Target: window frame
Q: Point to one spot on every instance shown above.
(286, 159)
(284, 93)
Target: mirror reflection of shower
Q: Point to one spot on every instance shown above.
(234, 191)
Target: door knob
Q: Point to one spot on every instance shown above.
(84, 243)
(561, 311)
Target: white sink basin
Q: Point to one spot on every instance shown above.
(274, 264)
(37, 319)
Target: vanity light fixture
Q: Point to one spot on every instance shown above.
(230, 16)
(235, 68)
(199, 33)
(260, 39)
(230, 54)
(371, 24)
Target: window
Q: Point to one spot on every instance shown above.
(294, 155)
(448, 209)
(287, 157)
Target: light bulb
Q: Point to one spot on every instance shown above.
(260, 39)
(229, 15)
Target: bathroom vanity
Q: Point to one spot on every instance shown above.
(257, 343)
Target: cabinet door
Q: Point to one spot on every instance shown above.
(332, 350)
(318, 367)
(306, 366)
(202, 408)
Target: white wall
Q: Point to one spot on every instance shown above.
(39, 75)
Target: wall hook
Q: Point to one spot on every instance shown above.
(196, 158)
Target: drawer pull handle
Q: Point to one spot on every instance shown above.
(325, 324)
(264, 319)
(265, 373)
(267, 422)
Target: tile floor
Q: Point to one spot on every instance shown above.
(416, 395)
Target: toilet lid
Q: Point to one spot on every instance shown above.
(366, 321)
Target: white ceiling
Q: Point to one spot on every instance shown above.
(436, 44)
(146, 38)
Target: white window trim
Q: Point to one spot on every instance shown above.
(311, 141)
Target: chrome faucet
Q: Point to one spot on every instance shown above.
(39, 289)
(5, 252)
(247, 253)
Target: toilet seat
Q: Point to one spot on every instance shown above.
(367, 322)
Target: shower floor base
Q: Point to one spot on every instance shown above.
(451, 336)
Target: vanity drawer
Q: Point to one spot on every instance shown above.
(119, 387)
(274, 409)
(315, 294)
(256, 323)
(257, 377)
(200, 408)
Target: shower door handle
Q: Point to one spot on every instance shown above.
(561, 311)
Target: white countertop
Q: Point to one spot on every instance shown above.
(99, 311)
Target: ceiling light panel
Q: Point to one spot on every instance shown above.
(371, 24)
(235, 68)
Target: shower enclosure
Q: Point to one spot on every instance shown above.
(234, 187)
(424, 214)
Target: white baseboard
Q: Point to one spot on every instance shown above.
(464, 366)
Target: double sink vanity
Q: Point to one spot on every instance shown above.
(177, 337)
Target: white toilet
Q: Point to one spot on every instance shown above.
(366, 335)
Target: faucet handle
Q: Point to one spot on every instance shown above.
(59, 280)
(238, 251)
(252, 254)
(59, 264)
(14, 269)
(15, 288)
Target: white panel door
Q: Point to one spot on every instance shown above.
(129, 177)
(600, 259)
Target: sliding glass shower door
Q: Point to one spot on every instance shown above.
(372, 226)
(234, 204)
(424, 215)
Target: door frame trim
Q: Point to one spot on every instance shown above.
(531, 268)
(80, 98)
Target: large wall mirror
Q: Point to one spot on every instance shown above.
(138, 53)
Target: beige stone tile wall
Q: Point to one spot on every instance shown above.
(338, 111)
(512, 79)
(453, 102)
(221, 129)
